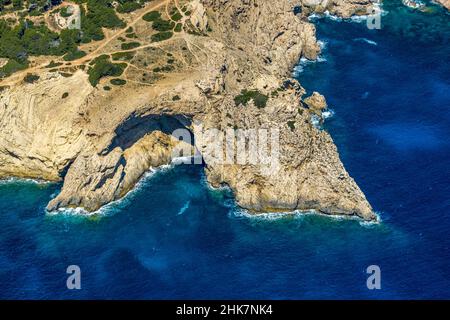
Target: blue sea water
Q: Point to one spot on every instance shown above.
(173, 237)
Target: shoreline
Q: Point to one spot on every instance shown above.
(108, 161)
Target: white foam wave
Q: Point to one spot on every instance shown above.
(299, 214)
(316, 121)
(268, 216)
(328, 15)
(314, 16)
(329, 113)
(366, 41)
(114, 206)
(356, 18)
(322, 44)
(205, 182)
(300, 67)
(25, 181)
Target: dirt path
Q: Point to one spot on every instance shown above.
(18, 76)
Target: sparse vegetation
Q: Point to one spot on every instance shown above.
(166, 68)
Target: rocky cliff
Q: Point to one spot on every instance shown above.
(100, 142)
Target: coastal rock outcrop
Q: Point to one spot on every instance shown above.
(341, 8)
(99, 143)
(316, 103)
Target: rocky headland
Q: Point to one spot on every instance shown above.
(99, 140)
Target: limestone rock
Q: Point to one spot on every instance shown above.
(100, 143)
(199, 19)
(316, 103)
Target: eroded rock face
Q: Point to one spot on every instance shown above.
(42, 132)
(101, 143)
(94, 180)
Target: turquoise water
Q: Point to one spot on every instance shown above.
(173, 237)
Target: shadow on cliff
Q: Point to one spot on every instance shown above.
(136, 127)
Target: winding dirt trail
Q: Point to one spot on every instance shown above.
(18, 76)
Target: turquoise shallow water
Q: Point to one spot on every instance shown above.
(175, 238)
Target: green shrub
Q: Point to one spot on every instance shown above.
(104, 68)
(53, 64)
(74, 55)
(178, 27)
(65, 95)
(176, 16)
(161, 36)
(176, 98)
(259, 99)
(65, 12)
(118, 82)
(152, 16)
(31, 78)
(163, 25)
(291, 125)
(123, 56)
(130, 45)
(100, 14)
(128, 7)
(131, 36)
(12, 66)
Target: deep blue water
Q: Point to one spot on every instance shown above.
(175, 238)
